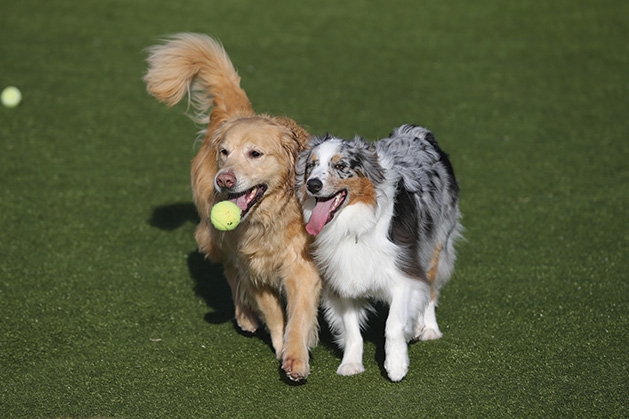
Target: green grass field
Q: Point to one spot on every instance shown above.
(107, 310)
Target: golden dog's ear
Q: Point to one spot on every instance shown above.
(293, 141)
(300, 135)
(202, 173)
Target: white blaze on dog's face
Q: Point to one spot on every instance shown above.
(251, 161)
(337, 174)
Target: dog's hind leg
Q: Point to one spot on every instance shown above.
(398, 330)
(272, 312)
(431, 328)
(426, 327)
(246, 318)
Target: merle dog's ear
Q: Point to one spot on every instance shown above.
(369, 164)
(321, 139)
(303, 157)
(316, 140)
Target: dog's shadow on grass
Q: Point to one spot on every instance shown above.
(209, 282)
(210, 285)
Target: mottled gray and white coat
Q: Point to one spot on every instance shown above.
(385, 219)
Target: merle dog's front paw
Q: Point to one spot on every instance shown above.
(348, 369)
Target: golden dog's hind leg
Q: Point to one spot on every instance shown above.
(245, 316)
(302, 287)
(272, 312)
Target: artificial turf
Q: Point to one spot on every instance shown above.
(107, 310)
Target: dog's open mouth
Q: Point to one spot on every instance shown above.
(324, 211)
(247, 199)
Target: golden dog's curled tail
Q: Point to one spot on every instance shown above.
(198, 65)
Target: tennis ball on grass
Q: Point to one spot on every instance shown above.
(11, 96)
(225, 216)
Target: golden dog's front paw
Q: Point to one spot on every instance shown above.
(296, 369)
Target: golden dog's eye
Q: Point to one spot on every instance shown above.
(224, 152)
(255, 154)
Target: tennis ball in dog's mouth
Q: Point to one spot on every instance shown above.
(11, 96)
(225, 216)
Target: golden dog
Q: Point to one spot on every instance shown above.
(249, 159)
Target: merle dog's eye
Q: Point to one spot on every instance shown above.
(340, 166)
(255, 154)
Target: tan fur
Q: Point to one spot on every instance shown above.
(266, 255)
(432, 271)
(362, 191)
(361, 187)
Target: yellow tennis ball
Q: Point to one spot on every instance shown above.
(11, 96)
(225, 215)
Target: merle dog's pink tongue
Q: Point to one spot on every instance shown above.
(319, 217)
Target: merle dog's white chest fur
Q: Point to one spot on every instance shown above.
(360, 264)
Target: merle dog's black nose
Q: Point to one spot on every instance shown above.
(314, 185)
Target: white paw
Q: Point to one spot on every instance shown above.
(350, 369)
(429, 334)
(396, 370)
